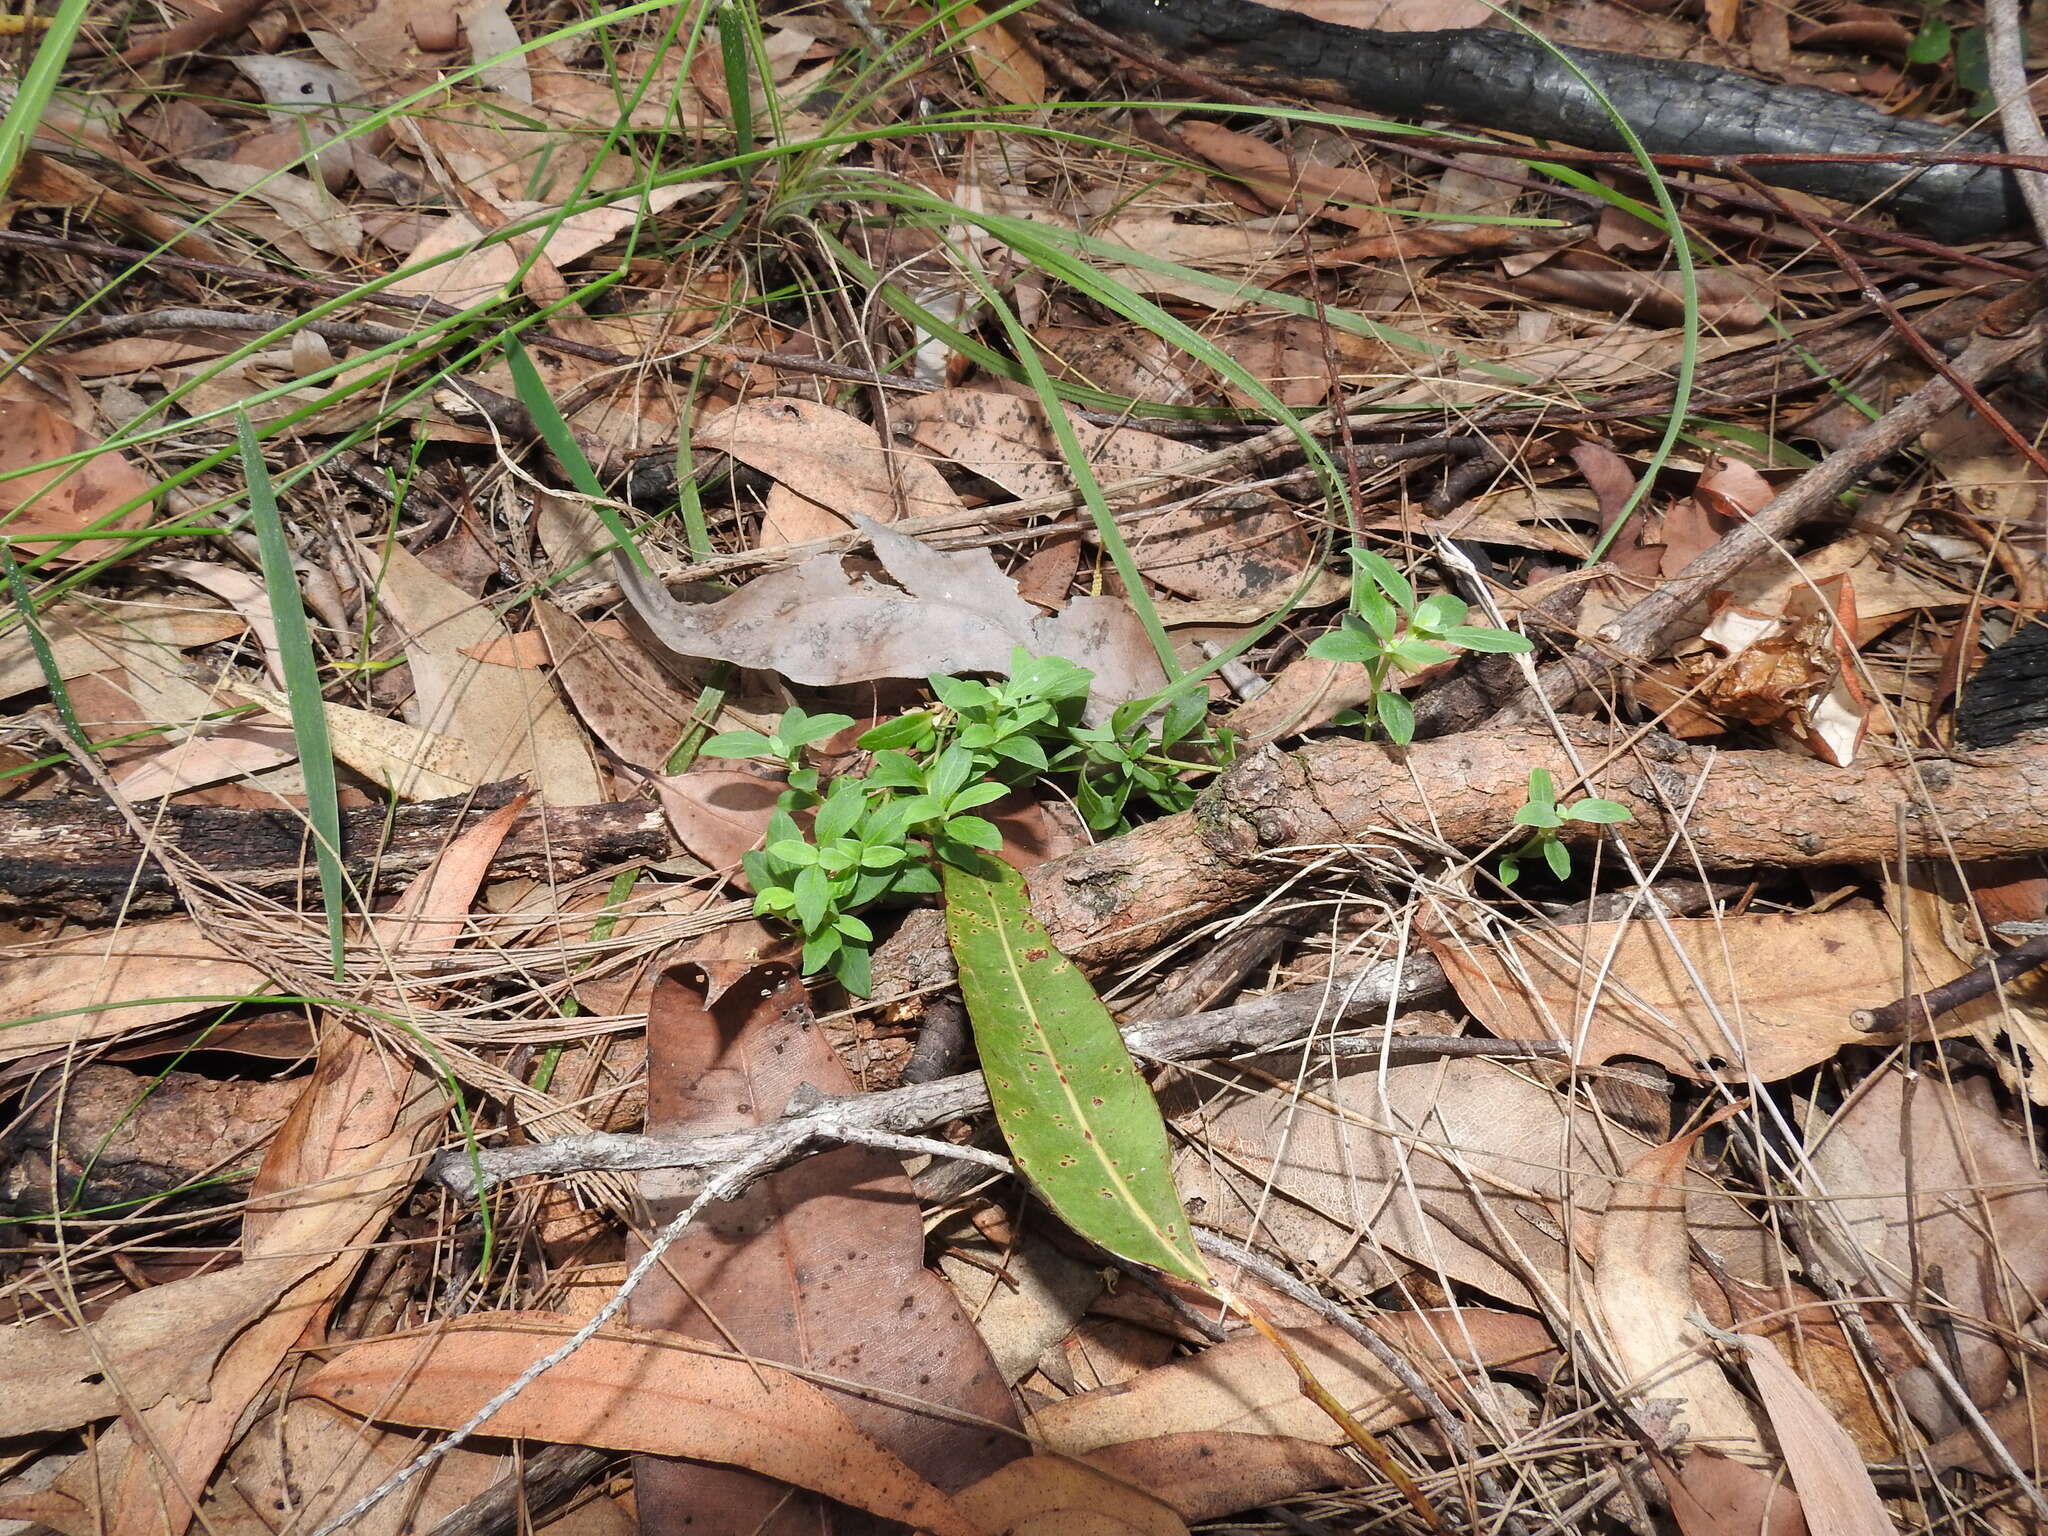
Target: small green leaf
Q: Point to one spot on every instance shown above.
(1378, 615)
(1396, 716)
(800, 730)
(975, 832)
(1542, 788)
(1025, 750)
(855, 969)
(912, 730)
(1079, 1119)
(1930, 44)
(977, 794)
(1382, 573)
(842, 808)
(1538, 814)
(1498, 642)
(951, 769)
(735, 744)
(819, 950)
(1604, 813)
(1438, 613)
(1343, 645)
(1510, 868)
(813, 894)
(1416, 655)
(962, 695)
(1558, 857)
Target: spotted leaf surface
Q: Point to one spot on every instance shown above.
(1081, 1122)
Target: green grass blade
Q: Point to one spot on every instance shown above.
(38, 85)
(1688, 287)
(554, 431)
(1081, 1122)
(302, 689)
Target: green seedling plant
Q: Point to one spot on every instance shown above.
(1544, 815)
(1389, 631)
(835, 849)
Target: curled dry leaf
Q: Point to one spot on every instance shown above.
(1207, 1474)
(1729, 300)
(827, 467)
(37, 428)
(1349, 194)
(953, 611)
(99, 635)
(1246, 1387)
(1783, 987)
(1230, 550)
(1468, 1168)
(1834, 1486)
(717, 814)
(638, 1390)
(1930, 1191)
(1024, 1297)
(316, 1461)
(1053, 1496)
(1795, 673)
(308, 210)
(1642, 1276)
(628, 701)
(95, 985)
(820, 1266)
(509, 722)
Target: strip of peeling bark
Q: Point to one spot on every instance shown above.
(1738, 809)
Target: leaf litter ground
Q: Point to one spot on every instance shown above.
(892, 349)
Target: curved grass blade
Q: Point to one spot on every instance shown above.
(1081, 1123)
(302, 687)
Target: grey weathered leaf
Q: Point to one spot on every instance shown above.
(947, 611)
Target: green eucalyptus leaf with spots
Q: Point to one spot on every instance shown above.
(1080, 1120)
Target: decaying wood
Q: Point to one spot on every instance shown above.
(1738, 810)
(82, 857)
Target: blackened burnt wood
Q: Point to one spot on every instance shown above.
(2008, 696)
(81, 856)
(1510, 82)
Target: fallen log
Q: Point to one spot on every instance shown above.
(1513, 83)
(1459, 794)
(83, 857)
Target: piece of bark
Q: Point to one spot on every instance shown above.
(80, 856)
(1739, 810)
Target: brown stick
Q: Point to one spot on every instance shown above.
(1741, 810)
(1644, 630)
(193, 33)
(1926, 1007)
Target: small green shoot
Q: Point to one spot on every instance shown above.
(1387, 631)
(1544, 815)
(881, 835)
